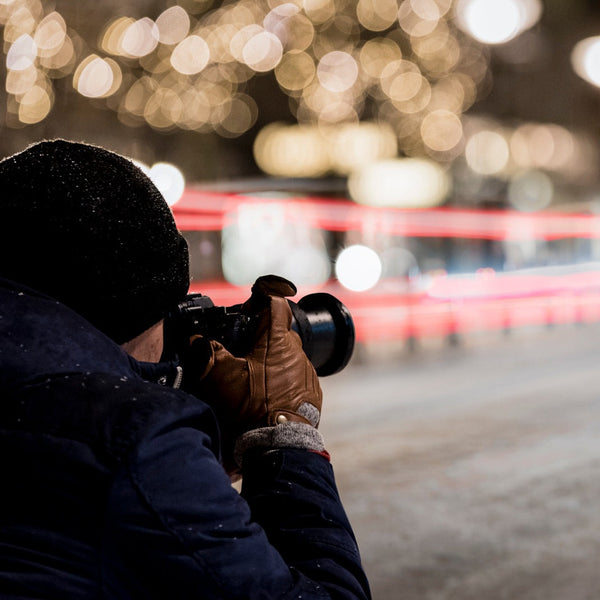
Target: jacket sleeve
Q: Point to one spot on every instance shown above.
(176, 528)
(292, 494)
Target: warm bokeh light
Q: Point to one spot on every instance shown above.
(96, 77)
(191, 55)
(358, 268)
(499, 21)
(19, 82)
(585, 59)
(262, 52)
(295, 71)
(50, 35)
(377, 15)
(173, 25)
(60, 63)
(21, 54)
(412, 21)
(295, 30)
(487, 152)
(314, 50)
(337, 71)
(376, 54)
(353, 146)
(401, 80)
(291, 151)
(361, 82)
(545, 146)
(441, 130)
(112, 35)
(406, 183)
(140, 38)
(35, 105)
(307, 151)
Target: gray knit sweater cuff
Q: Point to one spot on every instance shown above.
(286, 435)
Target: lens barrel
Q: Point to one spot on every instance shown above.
(326, 329)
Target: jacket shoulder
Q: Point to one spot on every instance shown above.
(110, 413)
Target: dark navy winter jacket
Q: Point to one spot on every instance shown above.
(112, 487)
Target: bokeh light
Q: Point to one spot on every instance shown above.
(96, 77)
(200, 60)
(337, 71)
(140, 38)
(173, 25)
(377, 15)
(487, 152)
(291, 151)
(585, 59)
(295, 71)
(358, 268)
(35, 105)
(309, 151)
(21, 53)
(191, 55)
(50, 35)
(441, 130)
(402, 183)
(547, 146)
(262, 52)
(169, 180)
(499, 21)
(358, 82)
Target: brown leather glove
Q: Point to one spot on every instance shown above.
(275, 382)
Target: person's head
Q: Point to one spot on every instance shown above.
(87, 227)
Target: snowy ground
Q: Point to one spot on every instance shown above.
(473, 472)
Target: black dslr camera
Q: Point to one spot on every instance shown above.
(323, 323)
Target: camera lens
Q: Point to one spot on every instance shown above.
(326, 329)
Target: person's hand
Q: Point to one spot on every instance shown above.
(275, 382)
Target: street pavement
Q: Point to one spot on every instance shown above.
(473, 471)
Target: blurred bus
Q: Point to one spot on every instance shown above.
(412, 274)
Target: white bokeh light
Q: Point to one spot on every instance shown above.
(191, 55)
(169, 180)
(22, 53)
(358, 268)
(140, 38)
(585, 59)
(95, 78)
(497, 21)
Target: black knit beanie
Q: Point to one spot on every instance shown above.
(89, 228)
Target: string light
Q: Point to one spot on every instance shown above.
(314, 49)
(411, 68)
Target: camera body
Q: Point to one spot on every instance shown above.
(323, 323)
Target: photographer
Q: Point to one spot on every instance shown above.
(116, 484)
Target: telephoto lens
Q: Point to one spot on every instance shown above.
(326, 329)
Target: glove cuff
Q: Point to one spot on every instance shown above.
(286, 435)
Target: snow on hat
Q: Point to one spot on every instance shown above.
(89, 228)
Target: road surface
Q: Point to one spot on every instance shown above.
(473, 472)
